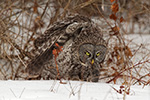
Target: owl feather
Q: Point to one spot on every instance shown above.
(59, 33)
(72, 33)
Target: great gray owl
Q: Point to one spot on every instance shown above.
(83, 50)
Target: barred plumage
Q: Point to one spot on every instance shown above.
(72, 33)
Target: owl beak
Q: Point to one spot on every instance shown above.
(92, 62)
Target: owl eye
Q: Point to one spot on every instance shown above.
(87, 53)
(98, 54)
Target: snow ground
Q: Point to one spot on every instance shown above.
(73, 90)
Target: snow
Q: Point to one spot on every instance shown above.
(73, 90)
(139, 39)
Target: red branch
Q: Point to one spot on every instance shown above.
(56, 53)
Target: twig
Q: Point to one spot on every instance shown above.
(13, 92)
(72, 92)
(21, 92)
(45, 9)
(118, 75)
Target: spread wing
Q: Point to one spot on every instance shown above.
(59, 33)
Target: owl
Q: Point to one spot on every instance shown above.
(83, 51)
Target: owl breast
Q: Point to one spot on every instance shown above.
(64, 58)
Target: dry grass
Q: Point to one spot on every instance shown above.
(21, 21)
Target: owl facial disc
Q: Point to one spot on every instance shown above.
(91, 54)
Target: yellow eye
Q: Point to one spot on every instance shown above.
(98, 54)
(87, 53)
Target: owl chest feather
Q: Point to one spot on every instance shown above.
(64, 57)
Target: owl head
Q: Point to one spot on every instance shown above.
(90, 47)
(91, 54)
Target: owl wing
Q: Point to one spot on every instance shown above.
(69, 25)
(59, 33)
